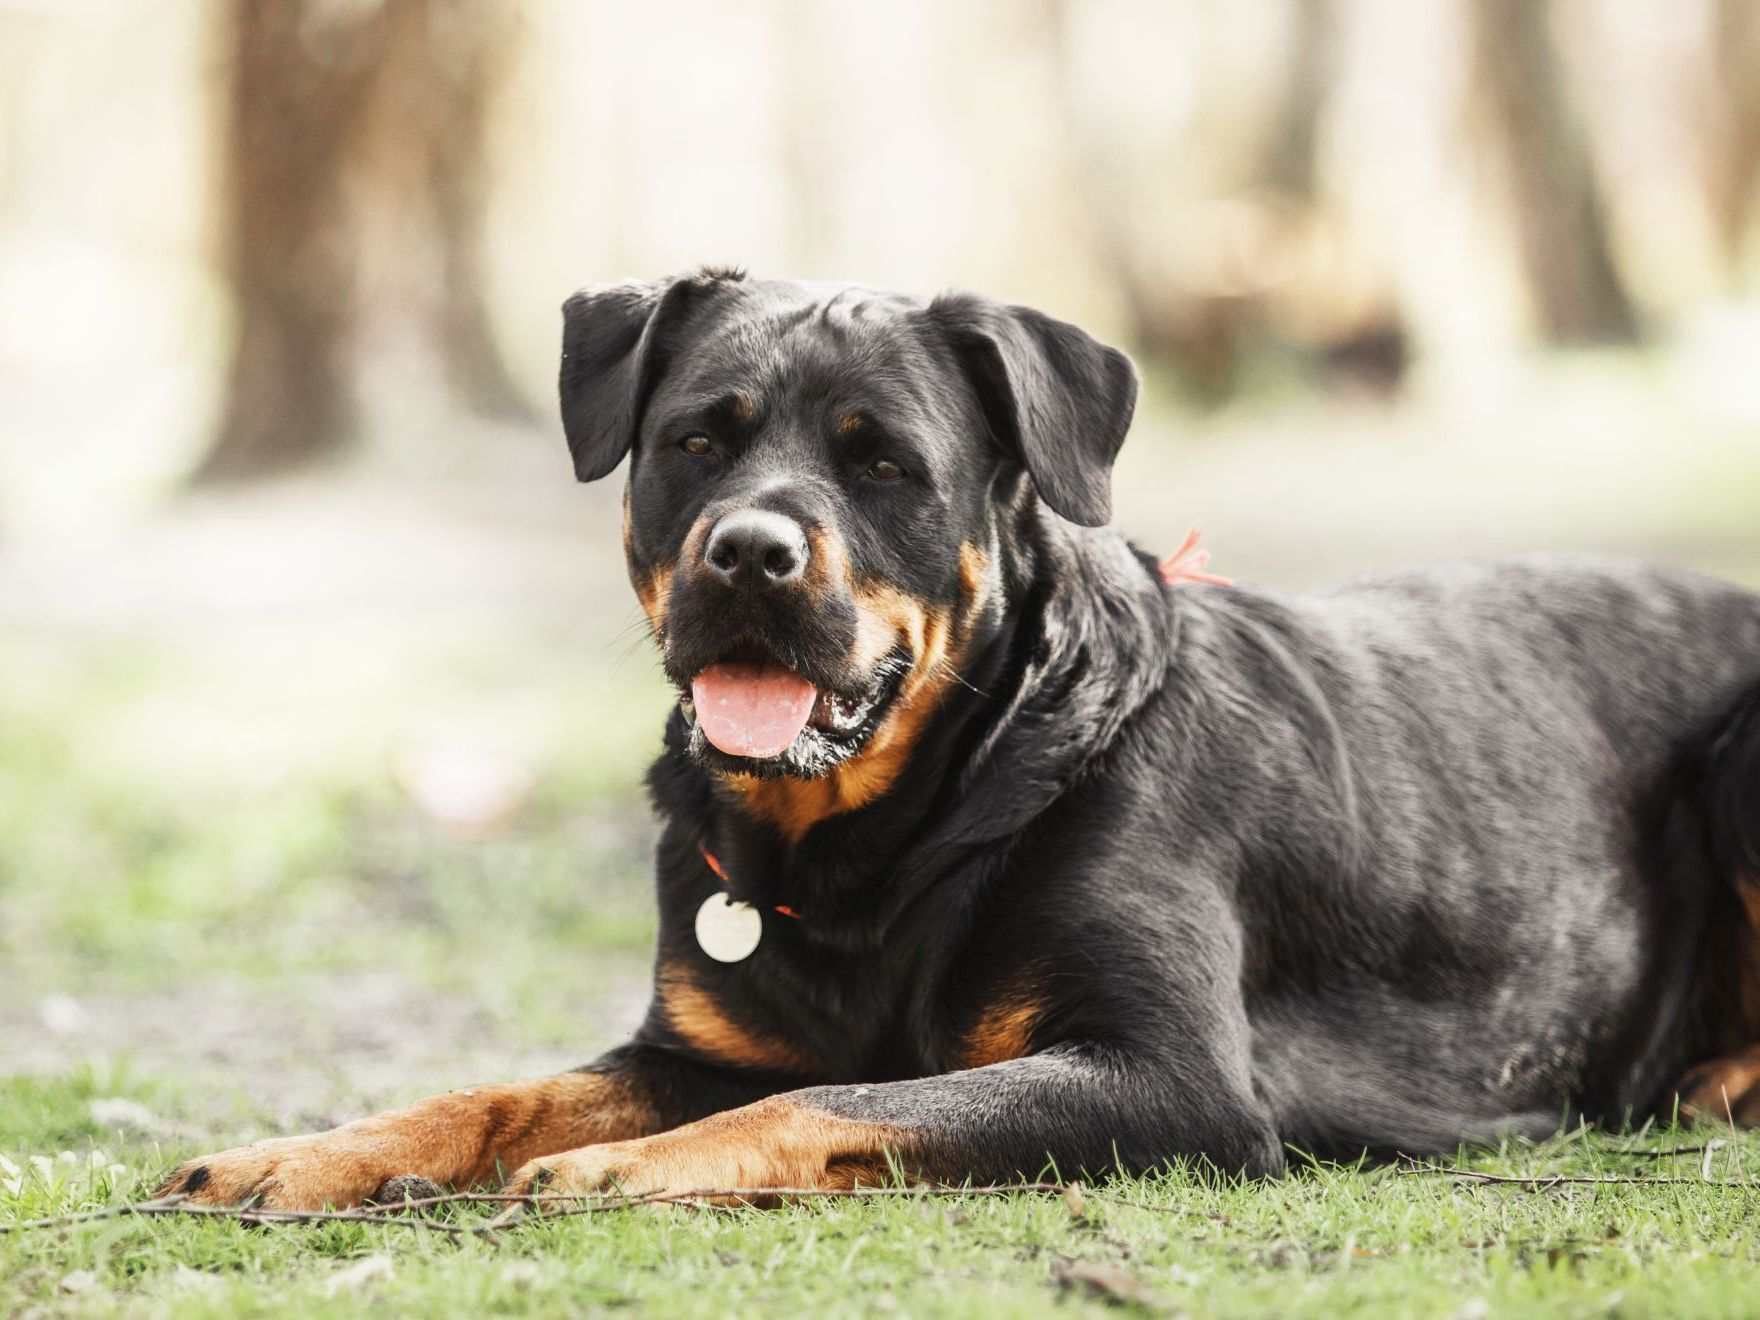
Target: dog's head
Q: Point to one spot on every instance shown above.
(815, 478)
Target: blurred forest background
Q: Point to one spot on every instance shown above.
(322, 699)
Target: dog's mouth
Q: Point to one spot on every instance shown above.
(750, 713)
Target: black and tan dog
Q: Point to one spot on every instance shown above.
(986, 850)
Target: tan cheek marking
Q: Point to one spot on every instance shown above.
(655, 593)
(827, 563)
(700, 1022)
(654, 589)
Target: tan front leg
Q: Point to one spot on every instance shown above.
(456, 1139)
(777, 1142)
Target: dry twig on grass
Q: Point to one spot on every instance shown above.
(1413, 1168)
(549, 1205)
(555, 1205)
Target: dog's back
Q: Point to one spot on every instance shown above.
(1501, 862)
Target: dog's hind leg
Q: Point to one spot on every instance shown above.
(1726, 782)
(1725, 1090)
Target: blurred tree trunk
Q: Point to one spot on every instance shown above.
(1358, 337)
(1204, 314)
(352, 193)
(1561, 227)
(1733, 123)
(1292, 156)
(422, 178)
(291, 113)
(1197, 332)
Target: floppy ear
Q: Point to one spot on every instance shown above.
(614, 345)
(1057, 398)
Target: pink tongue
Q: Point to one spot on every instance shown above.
(752, 710)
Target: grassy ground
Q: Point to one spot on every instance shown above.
(1326, 1240)
(318, 800)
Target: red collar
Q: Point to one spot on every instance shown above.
(721, 875)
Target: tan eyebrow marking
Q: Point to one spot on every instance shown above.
(851, 422)
(743, 407)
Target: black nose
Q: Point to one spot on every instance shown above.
(755, 547)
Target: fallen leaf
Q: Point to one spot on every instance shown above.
(1073, 1198)
(1105, 1280)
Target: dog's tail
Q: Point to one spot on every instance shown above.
(1726, 782)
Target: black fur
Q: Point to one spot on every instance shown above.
(1056, 399)
(1425, 857)
(1730, 782)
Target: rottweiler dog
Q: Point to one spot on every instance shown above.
(987, 851)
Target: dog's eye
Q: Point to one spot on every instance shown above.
(697, 445)
(884, 469)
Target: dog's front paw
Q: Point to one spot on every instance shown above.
(652, 1168)
(752, 1155)
(588, 1170)
(329, 1169)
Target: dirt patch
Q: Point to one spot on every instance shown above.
(307, 1052)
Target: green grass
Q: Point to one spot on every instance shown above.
(154, 843)
(1325, 1240)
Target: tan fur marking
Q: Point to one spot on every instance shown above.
(1724, 1090)
(774, 1143)
(850, 423)
(654, 588)
(655, 594)
(974, 571)
(702, 1024)
(455, 1139)
(744, 408)
(1748, 886)
(1002, 1032)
